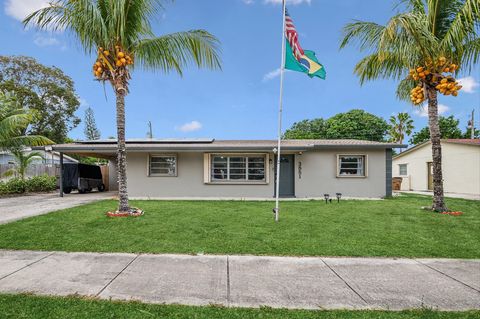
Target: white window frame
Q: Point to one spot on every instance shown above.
(208, 179)
(365, 165)
(162, 175)
(400, 169)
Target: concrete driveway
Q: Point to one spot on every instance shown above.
(20, 207)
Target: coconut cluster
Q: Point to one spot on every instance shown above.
(435, 74)
(106, 61)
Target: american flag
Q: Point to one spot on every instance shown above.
(292, 37)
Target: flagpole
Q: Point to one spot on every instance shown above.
(280, 110)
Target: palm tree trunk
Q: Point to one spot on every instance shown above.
(438, 200)
(121, 152)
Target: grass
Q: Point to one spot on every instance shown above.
(393, 227)
(35, 307)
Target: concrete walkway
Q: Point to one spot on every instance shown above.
(248, 281)
(20, 207)
(451, 195)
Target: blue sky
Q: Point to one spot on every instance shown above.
(241, 101)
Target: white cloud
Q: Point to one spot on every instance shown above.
(422, 111)
(248, 1)
(20, 9)
(271, 75)
(469, 84)
(189, 127)
(290, 2)
(42, 41)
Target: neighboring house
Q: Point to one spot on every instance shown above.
(205, 168)
(49, 158)
(460, 166)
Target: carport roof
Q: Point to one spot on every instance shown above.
(211, 145)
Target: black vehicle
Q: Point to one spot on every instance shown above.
(83, 177)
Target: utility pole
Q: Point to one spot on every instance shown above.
(471, 125)
(150, 133)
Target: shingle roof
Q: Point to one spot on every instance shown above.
(467, 141)
(218, 145)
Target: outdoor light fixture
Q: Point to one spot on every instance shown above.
(327, 196)
(339, 195)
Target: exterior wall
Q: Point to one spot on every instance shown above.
(189, 181)
(460, 164)
(315, 174)
(112, 176)
(319, 175)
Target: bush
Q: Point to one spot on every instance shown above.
(14, 186)
(42, 183)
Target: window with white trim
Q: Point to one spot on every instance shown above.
(237, 168)
(351, 165)
(162, 165)
(402, 169)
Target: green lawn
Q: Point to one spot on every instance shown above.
(33, 307)
(393, 227)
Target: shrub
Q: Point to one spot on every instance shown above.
(42, 183)
(14, 186)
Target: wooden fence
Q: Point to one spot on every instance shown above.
(50, 170)
(32, 170)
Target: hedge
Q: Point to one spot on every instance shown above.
(43, 183)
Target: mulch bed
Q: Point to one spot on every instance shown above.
(133, 212)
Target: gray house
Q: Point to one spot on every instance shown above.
(208, 168)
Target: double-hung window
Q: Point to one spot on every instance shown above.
(237, 168)
(351, 165)
(402, 169)
(162, 165)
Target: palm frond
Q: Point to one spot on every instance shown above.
(404, 88)
(174, 51)
(381, 65)
(365, 34)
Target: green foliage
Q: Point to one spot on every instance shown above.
(43, 183)
(354, 124)
(395, 227)
(18, 185)
(448, 129)
(13, 122)
(46, 90)
(307, 129)
(16, 306)
(426, 30)
(91, 131)
(399, 126)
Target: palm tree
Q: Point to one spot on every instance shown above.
(13, 122)
(119, 32)
(22, 161)
(426, 45)
(400, 125)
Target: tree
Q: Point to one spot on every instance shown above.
(400, 125)
(47, 90)
(356, 124)
(307, 129)
(425, 46)
(120, 33)
(91, 131)
(22, 161)
(13, 121)
(448, 129)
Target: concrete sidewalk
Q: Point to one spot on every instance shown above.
(20, 207)
(248, 281)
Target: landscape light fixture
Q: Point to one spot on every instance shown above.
(327, 196)
(339, 195)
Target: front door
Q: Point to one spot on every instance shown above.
(287, 175)
(430, 175)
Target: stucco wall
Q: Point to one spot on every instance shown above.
(318, 176)
(189, 181)
(460, 163)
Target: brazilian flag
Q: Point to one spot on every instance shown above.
(307, 63)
